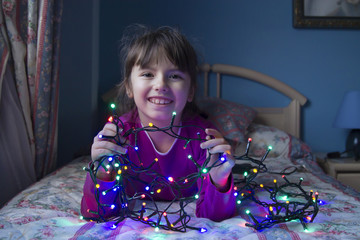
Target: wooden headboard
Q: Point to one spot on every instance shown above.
(284, 118)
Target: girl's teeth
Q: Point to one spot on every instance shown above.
(159, 101)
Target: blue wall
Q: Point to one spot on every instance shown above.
(322, 64)
(75, 131)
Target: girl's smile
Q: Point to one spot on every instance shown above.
(160, 100)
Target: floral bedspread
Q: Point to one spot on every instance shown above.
(50, 209)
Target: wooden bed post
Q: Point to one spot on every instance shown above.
(284, 118)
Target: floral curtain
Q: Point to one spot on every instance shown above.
(29, 46)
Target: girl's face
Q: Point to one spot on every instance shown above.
(158, 90)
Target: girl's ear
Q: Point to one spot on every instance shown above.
(129, 91)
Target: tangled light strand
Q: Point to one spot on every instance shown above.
(280, 210)
(177, 220)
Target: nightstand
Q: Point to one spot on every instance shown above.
(346, 170)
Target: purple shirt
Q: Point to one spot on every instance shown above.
(175, 163)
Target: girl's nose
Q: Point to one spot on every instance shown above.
(161, 84)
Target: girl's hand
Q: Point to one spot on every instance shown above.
(106, 147)
(218, 145)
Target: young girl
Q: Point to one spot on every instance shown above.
(159, 79)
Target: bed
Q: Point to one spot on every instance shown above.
(50, 209)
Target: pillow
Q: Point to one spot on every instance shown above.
(287, 151)
(283, 144)
(231, 119)
(264, 136)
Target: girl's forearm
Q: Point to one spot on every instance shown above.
(222, 184)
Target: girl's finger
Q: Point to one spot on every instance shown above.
(213, 138)
(106, 148)
(223, 148)
(109, 130)
(213, 132)
(112, 147)
(213, 142)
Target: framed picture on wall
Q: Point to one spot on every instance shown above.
(326, 14)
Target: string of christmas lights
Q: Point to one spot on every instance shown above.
(151, 213)
(303, 206)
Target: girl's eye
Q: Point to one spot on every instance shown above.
(175, 76)
(147, 75)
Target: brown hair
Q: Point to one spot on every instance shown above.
(141, 45)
